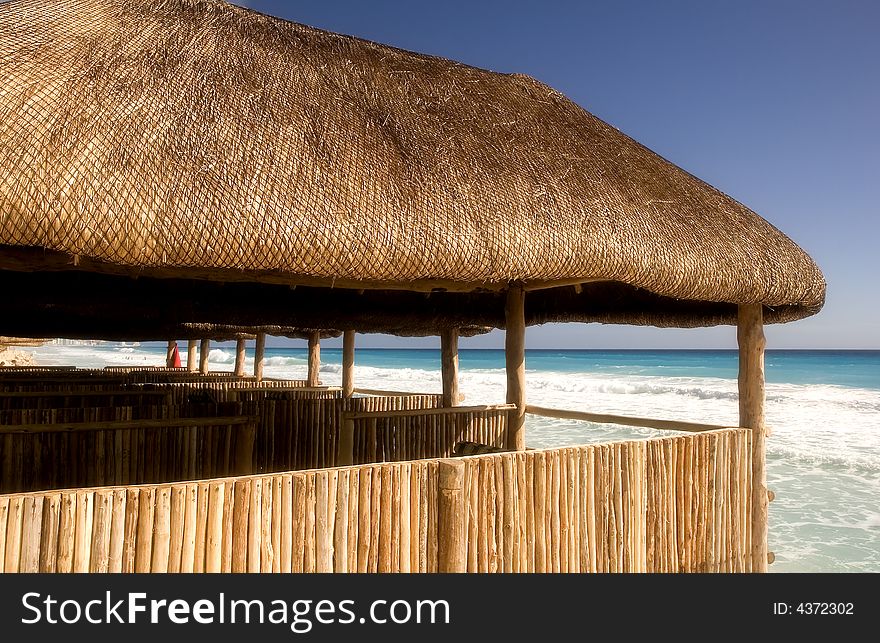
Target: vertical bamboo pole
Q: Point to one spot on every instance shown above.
(244, 448)
(161, 531)
(191, 347)
(286, 524)
(323, 528)
(169, 354)
(240, 514)
(348, 363)
(340, 523)
(49, 544)
(175, 547)
(345, 456)
(750, 337)
(314, 357)
(203, 356)
(452, 532)
(259, 356)
(449, 365)
(82, 549)
(515, 355)
(384, 520)
(239, 357)
(214, 530)
(14, 517)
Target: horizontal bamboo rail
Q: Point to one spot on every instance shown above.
(601, 418)
(223, 389)
(54, 371)
(53, 384)
(57, 394)
(34, 400)
(73, 427)
(134, 369)
(449, 410)
(116, 413)
(660, 505)
(127, 451)
(36, 369)
(262, 388)
(382, 392)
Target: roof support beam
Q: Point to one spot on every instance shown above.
(449, 366)
(259, 356)
(191, 348)
(240, 352)
(348, 363)
(750, 337)
(314, 358)
(203, 356)
(515, 357)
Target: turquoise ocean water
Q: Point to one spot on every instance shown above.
(822, 406)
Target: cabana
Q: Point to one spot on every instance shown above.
(196, 170)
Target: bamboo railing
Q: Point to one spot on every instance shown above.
(626, 420)
(217, 389)
(664, 505)
(393, 435)
(671, 504)
(299, 431)
(295, 428)
(123, 451)
(134, 369)
(36, 369)
(366, 519)
(70, 399)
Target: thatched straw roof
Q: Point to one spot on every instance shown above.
(198, 140)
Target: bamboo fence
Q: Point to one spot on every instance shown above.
(380, 437)
(302, 432)
(664, 505)
(667, 505)
(365, 519)
(122, 450)
(140, 369)
(294, 429)
(30, 400)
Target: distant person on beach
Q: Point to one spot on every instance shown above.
(174, 357)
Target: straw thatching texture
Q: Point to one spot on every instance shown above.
(221, 143)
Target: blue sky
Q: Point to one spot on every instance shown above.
(775, 103)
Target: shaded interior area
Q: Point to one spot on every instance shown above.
(84, 305)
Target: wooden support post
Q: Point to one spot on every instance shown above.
(259, 356)
(240, 351)
(515, 355)
(345, 457)
(348, 363)
(169, 354)
(449, 365)
(314, 358)
(203, 356)
(191, 347)
(451, 530)
(750, 336)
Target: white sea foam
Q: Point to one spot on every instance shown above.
(810, 422)
(220, 356)
(279, 360)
